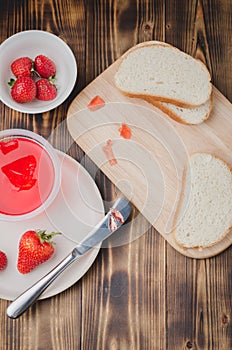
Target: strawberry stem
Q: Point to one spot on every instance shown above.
(52, 79)
(11, 82)
(34, 73)
(44, 237)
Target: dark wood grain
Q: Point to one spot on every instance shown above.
(141, 294)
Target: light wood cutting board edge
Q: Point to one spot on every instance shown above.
(198, 253)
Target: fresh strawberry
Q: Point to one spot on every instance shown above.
(96, 103)
(3, 260)
(44, 66)
(20, 172)
(35, 247)
(8, 146)
(22, 67)
(46, 90)
(23, 90)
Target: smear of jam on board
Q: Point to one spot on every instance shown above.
(109, 152)
(96, 103)
(125, 131)
(26, 176)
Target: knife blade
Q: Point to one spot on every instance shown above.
(112, 221)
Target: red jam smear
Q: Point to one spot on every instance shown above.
(26, 176)
(107, 149)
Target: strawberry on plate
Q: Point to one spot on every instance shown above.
(35, 247)
(46, 90)
(23, 89)
(3, 260)
(22, 67)
(44, 66)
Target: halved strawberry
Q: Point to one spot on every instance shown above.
(20, 172)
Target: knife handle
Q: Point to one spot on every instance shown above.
(26, 299)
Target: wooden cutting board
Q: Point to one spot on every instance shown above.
(150, 165)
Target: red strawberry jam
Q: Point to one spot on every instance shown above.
(26, 176)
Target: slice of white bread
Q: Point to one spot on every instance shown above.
(204, 215)
(164, 73)
(194, 115)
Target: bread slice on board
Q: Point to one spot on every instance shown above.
(194, 115)
(164, 73)
(204, 215)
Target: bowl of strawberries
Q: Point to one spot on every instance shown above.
(38, 71)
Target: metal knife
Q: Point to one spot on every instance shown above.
(114, 219)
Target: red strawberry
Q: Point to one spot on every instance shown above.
(23, 90)
(96, 103)
(35, 247)
(22, 67)
(44, 66)
(3, 260)
(46, 90)
(20, 172)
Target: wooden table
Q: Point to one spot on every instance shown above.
(144, 294)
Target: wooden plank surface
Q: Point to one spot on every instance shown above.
(144, 294)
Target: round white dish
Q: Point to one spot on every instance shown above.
(77, 208)
(31, 43)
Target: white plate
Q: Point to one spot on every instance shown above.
(77, 208)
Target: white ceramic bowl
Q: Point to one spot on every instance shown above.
(32, 43)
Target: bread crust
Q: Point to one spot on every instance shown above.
(179, 103)
(181, 198)
(175, 116)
